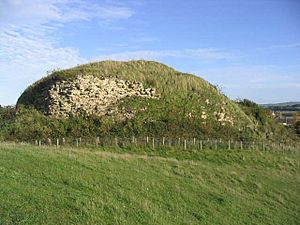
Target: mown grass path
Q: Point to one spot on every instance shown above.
(107, 186)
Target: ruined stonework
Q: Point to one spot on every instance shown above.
(90, 95)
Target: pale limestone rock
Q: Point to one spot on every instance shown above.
(91, 95)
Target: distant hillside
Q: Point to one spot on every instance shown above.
(135, 98)
(281, 104)
(285, 106)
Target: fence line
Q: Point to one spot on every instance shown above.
(166, 142)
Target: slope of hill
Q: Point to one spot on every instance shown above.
(68, 186)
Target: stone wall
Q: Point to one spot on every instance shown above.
(90, 95)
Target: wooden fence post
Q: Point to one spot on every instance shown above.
(241, 145)
(49, 141)
(201, 145)
(57, 142)
(163, 141)
(97, 141)
(153, 143)
(116, 141)
(63, 141)
(77, 142)
(229, 147)
(184, 144)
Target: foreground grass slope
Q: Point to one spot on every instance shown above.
(84, 186)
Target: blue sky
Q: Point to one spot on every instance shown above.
(250, 49)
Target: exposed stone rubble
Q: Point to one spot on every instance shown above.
(90, 95)
(222, 117)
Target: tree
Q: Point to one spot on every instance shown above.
(295, 118)
(297, 127)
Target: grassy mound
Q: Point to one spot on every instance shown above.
(81, 186)
(188, 106)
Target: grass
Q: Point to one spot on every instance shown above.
(108, 186)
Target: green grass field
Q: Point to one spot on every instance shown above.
(108, 186)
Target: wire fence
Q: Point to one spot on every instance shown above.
(167, 142)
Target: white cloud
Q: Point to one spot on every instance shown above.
(25, 58)
(42, 11)
(30, 44)
(17, 11)
(20, 48)
(262, 83)
(293, 85)
(292, 45)
(247, 75)
(146, 39)
(200, 53)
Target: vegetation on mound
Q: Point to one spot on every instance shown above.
(188, 107)
(29, 125)
(67, 186)
(266, 124)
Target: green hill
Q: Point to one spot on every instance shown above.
(85, 186)
(188, 105)
(112, 98)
